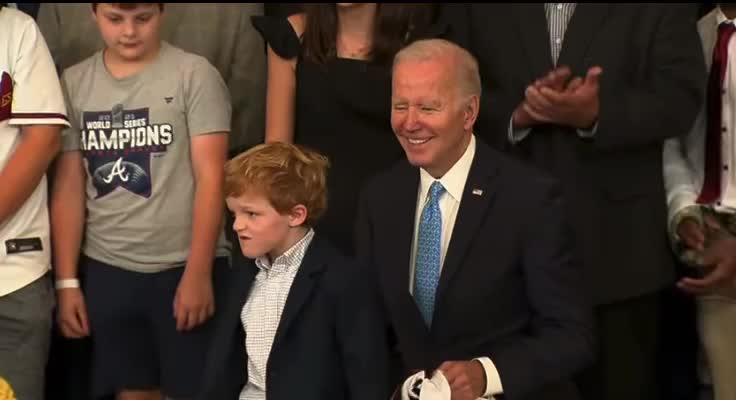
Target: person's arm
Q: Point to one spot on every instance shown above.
(28, 164)
(67, 214)
(362, 336)
(209, 154)
(208, 120)
(194, 303)
(363, 237)
(281, 91)
(666, 104)
(194, 300)
(687, 223)
(516, 135)
(560, 342)
(631, 113)
(39, 111)
(679, 179)
(247, 82)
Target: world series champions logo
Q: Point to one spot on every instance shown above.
(118, 145)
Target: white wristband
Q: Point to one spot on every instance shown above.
(67, 283)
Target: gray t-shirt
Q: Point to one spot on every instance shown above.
(134, 134)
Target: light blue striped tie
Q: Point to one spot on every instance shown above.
(427, 264)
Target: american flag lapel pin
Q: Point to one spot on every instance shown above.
(478, 192)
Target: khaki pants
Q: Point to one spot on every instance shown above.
(716, 314)
(717, 331)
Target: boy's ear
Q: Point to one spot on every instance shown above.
(298, 215)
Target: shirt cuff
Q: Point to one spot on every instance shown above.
(517, 135)
(493, 380)
(687, 212)
(588, 133)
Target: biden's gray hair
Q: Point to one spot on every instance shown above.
(465, 64)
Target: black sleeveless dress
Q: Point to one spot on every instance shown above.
(342, 110)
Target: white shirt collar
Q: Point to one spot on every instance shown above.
(291, 258)
(454, 180)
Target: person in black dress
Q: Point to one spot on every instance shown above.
(329, 89)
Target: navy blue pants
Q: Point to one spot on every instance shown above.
(135, 344)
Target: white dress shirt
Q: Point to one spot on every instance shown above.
(727, 202)
(684, 157)
(454, 183)
(262, 311)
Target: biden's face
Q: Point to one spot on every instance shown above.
(429, 116)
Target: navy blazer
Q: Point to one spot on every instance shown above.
(330, 343)
(511, 287)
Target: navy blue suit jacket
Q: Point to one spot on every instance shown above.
(511, 287)
(330, 343)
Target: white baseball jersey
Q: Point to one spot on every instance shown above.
(30, 93)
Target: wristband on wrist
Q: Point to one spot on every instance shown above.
(67, 283)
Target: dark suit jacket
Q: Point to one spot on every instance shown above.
(510, 287)
(651, 89)
(330, 343)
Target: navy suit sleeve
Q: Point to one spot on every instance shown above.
(363, 245)
(363, 343)
(560, 340)
(225, 367)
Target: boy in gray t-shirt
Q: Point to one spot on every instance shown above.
(145, 158)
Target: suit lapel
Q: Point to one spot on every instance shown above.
(585, 21)
(313, 264)
(532, 24)
(401, 220)
(477, 198)
(398, 242)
